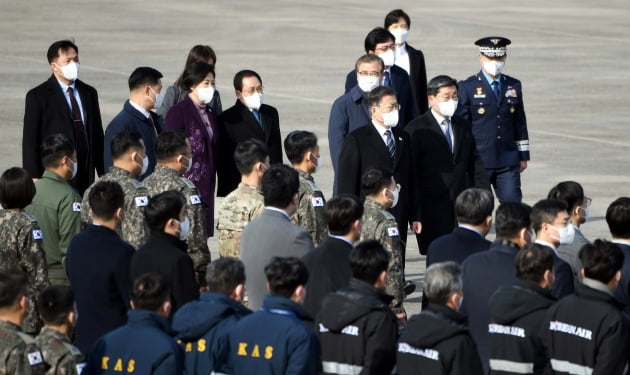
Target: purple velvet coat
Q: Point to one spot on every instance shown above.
(185, 116)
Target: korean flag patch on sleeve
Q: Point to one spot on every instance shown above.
(194, 199)
(35, 358)
(142, 201)
(76, 207)
(392, 231)
(317, 202)
(80, 367)
(37, 234)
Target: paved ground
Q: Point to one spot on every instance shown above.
(572, 57)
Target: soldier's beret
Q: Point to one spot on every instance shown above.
(493, 46)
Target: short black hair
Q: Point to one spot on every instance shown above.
(143, 76)
(105, 198)
(298, 143)
(341, 212)
(510, 218)
(125, 141)
(16, 188)
(394, 16)
(169, 144)
(284, 275)
(618, 217)
(248, 153)
(375, 96)
(368, 260)
(225, 274)
(437, 82)
(150, 291)
(238, 78)
(374, 180)
(532, 262)
(375, 36)
(55, 303)
(601, 260)
(60, 45)
(163, 207)
(545, 211)
(54, 148)
(195, 73)
(279, 184)
(13, 285)
(570, 192)
(473, 206)
(197, 53)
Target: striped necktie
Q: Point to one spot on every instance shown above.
(391, 145)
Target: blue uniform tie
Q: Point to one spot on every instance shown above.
(495, 89)
(391, 146)
(447, 133)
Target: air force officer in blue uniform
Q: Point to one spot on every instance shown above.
(494, 103)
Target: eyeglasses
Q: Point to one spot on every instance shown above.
(385, 48)
(397, 188)
(445, 98)
(364, 73)
(393, 107)
(251, 91)
(588, 201)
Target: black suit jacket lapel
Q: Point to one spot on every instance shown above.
(377, 142)
(438, 129)
(249, 118)
(60, 98)
(399, 148)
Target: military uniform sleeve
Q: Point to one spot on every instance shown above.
(25, 359)
(338, 124)
(66, 365)
(86, 218)
(33, 258)
(257, 209)
(134, 227)
(520, 127)
(388, 235)
(69, 222)
(197, 238)
(304, 216)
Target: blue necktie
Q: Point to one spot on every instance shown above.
(391, 146)
(447, 133)
(257, 116)
(387, 82)
(495, 89)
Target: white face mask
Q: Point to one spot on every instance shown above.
(159, 98)
(205, 94)
(396, 194)
(587, 212)
(145, 164)
(367, 84)
(389, 58)
(75, 169)
(319, 162)
(184, 228)
(254, 101)
(390, 119)
(400, 34)
(566, 234)
(70, 71)
(494, 67)
(189, 163)
(447, 109)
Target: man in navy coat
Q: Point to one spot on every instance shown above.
(494, 103)
(486, 271)
(618, 220)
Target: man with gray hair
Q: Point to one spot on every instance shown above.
(473, 208)
(437, 340)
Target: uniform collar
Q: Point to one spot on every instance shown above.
(54, 176)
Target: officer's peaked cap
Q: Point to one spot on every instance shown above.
(493, 46)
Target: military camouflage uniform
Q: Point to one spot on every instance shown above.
(19, 354)
(236, 211)
(164, 178)
(134, 228)
(310, 211)
(60, 356)
(378, 224)
(21, 249)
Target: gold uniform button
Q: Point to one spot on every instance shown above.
(481, 111)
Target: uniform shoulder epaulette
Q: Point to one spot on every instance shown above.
(26, 338)
(30, 217)
(188, 183)
(72, 349)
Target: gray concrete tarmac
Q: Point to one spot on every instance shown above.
(571, 55)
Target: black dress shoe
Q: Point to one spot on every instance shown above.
(409, 287)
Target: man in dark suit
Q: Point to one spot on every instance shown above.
(550, 221)
(442, 153)
(64, 105)
(410, 59)
(247, 119)
(494, 104)
(618, 220)
(383, 146)
(145, 86)
(485, 272)
(473, 208)
(379, 41)
(98, 264)
(272, 234)
(330, 261)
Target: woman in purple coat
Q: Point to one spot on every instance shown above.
(199, 123)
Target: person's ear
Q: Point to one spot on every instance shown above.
(296, 199)
(238, 293)
(548, 276)
(120, 214)
(71, 318)
(618, 276)
(356, 226)
(381, 281)
(582, 273)
(299, 294)
(133, 305)
(268, 287)
(24, 302)
(489, 221)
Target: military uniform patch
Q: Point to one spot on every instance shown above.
(35, 358)
(317, 202)
(76, 207)
(37, 234)
(479, 93)
(194, 199)
(392, 231)
(80, 367)
(142, 201)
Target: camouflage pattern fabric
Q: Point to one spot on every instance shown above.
(60, 356)
(310, 211)
(238, 208)
(19, 354)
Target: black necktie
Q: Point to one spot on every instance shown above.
(79, 133)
